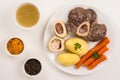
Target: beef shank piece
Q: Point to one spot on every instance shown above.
(97, 32)
(91, 15)
(79, 15)
(75, 18)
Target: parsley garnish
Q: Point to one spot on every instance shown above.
(77, 46)
(96, 55)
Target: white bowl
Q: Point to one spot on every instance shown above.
(31, 76)
(6, 50)
(17, 7)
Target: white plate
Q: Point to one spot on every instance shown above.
(62, 14)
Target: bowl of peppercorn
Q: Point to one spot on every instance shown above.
(32, 67)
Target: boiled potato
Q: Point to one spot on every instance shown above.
(68, 59)
(77, 46)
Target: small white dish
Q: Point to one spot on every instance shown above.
(6, 50)
(31, 76)
(17, 7)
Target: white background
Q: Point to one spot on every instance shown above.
(11, 67)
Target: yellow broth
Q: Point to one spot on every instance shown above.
(27, 15)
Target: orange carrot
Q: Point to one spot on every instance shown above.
(96, 62)
(100, 45)
(91, 59)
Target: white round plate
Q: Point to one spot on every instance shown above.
(62, 14)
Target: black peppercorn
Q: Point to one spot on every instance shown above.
(32, 67)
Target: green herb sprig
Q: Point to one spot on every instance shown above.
(96, 55)
(77, 46)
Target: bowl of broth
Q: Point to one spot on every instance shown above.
(27, 15)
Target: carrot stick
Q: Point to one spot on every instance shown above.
(100, 45)
(96, 62)
(91, 59)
